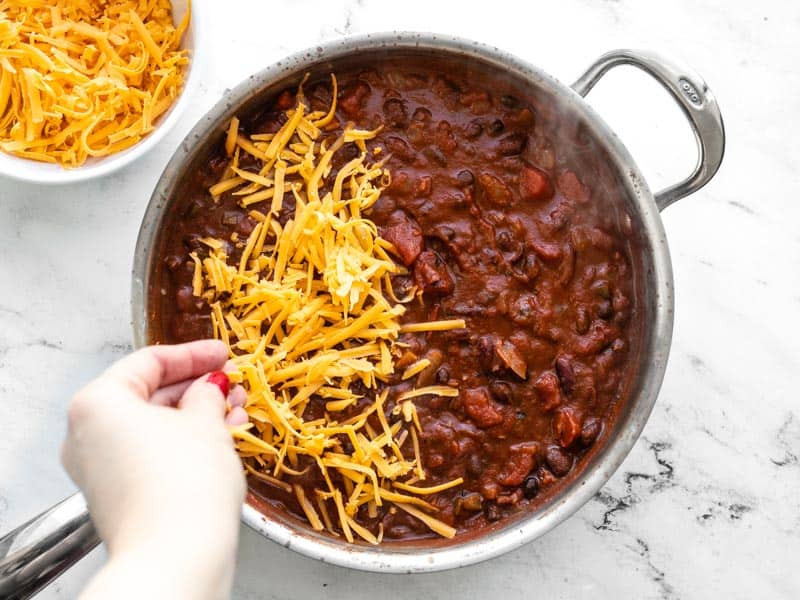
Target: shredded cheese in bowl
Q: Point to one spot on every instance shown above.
(82, 80)
(308, 311)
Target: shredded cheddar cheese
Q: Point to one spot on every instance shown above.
(85, 79)
(307, 311)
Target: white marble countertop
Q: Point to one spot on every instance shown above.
(708, 502)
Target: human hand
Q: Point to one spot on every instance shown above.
(163, 484)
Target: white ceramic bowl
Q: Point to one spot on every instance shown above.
(24, 169)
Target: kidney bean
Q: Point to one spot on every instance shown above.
(472, 130)
(566, 374)
(400, 148)
(501, 391)
(511, 144)
(396, 113)
(594, 340)
(590, 430)
(465, 178)
(444, 138)
(474, 465)
(496, 127)
(558, 461)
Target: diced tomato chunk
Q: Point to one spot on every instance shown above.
(520, 463)
(481, 408)
(405, 235)
(549, 391)
(534, 184)
(567, 426)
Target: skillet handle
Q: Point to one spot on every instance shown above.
(691, 93)
(38, 551)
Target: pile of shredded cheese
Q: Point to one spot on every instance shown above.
(307, 311)
(85, 78)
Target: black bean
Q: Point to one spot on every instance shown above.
(558, 461)
(474, 465)
(396, 113)
(530, 487)
(473, 130)
(496, 127)
(185, 299)
(422, 114)
(442, 375)
(590, 430)
(501, 391)
(465, 178)
(173, 262)
(192, 241)
(509, 101)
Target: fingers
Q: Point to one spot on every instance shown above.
(204, 398)
(237, 397)
(236, 416)
(148, 369)
(170, 395)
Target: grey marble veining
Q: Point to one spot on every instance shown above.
(707, 505)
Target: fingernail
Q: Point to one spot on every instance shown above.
(220, 379)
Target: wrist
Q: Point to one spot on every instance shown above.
(169, 570)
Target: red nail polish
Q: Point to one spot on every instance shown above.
(220, 379)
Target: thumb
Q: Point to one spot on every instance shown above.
(206, 396)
